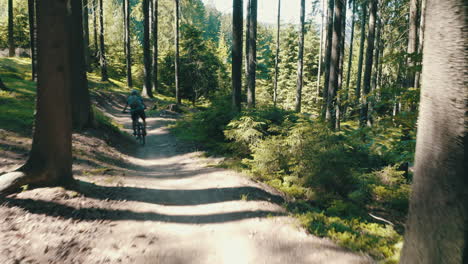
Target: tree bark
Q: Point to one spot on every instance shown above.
(11, 40)
(177, 60)
(412, 42)
(147, 91)
(237, 28)
(375, 73)
(334, 64)
(82, 115)
(252, 32)
(247, 43)
(438, 212)
(341, 68)
(364, 120)
(50, 159)
(102, 51)
(127, 44)
(319, 72)
(32, 37)
(328, 43)
(417, 79)
(278, 27)
(87, 53)
(361, 53)
(350, 59)
(155, 45)
(300, 61)
(95, 27)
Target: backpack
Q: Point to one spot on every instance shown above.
(134, 102)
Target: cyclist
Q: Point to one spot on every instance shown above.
(137, 109)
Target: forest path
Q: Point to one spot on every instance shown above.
(171, 207)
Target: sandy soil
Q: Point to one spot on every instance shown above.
(162, 204)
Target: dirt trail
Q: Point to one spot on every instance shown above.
(170, 208)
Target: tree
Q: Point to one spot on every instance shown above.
(364, 118)
(252, 53)
(95, 29)
(127, 46)
(147, 91)
(82, 115)
(102, 50)
(300, 62)
(328, 41)
(11, 40)
(439, 184)
(32, 37)
(412, 42)
(420, 39)
(50, 159)
(361, 53)
(334, 63)
(155, 44)
(275, 88)
(350, 58)
(237, 25)
(247, 41)
(177, 52)
(87, 54)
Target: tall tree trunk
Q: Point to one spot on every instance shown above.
(127, 43)
(361, 53)
(438, 213)
(32, 37)
(278, 26)
(237, 25)
(350, 59)
(11, 40)
(319, 72)
(412, 42)
(87, 53)
(341, 67)
(155, 45)
(50, 159)
(82, 115)
(328, 43)
(417, 79)
(300, 61)
(376, 65)
(364, 120)
(95, 28)
(247, 43)
(3, 87)
(176, 63)
(147, 91)
(252, 32)
(334, 63)
(102, 51)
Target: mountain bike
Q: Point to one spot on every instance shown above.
(139, 131)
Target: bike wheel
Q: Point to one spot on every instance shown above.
(141, 137)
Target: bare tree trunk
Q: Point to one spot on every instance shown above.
(252, 32)
(127, 43)
(364, 120)
(147, 91)
(412, 42)
(11, 40)
(95, 28)
(176, 63)
(278, 26)
(417, 79)
(82, 115)
(361, 53)
(32, 37)
(350, 59)
(341, 68)
(376, 65)
(328, 43)
(334, 64)
(102, 50)
(247, 43)
(87, 53)
(319, 73)
(300, 61)
(438, 212)
(237, 25)
(155, 45)
(50, 159)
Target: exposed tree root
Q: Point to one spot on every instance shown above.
(14, 181)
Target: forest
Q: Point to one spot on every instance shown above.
(347, 121)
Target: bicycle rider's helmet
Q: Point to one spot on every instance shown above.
(134, 92)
